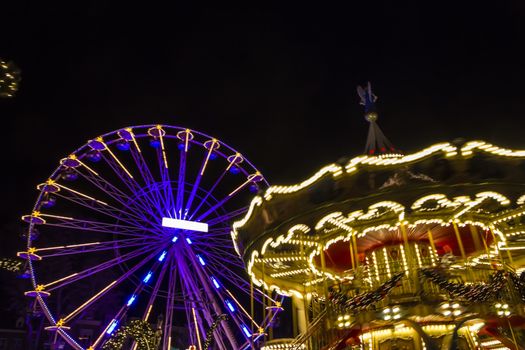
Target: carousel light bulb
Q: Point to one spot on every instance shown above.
(395, 309)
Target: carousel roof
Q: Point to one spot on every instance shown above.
(369, 196)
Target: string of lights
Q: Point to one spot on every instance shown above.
(9, 79)
(137, 330)
(478, 292)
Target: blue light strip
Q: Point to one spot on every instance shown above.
(131, 299)
(246, 330)
(174, 239)
(230, 305)
(201, 260)
(112, 327)
(188, 240)
(163, 255)
(215, 283)
(147, 278)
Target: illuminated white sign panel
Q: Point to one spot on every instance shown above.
(185, 224)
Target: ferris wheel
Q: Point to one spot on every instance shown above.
(135, 225)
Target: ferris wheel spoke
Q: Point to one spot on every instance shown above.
(212, 251)
(228, 216)
(221, 238)
(127, 179)
(223, 201)
(145, 172)
(169, 201)
(96, 226)
(219, 230)
(213, 234)
(245, 313)
(122, 312)
(115, 193)
(155, 292)
(104, 208)
(219, 264)
(109, 287)
(74, 277)
(198, 179)
(233, 279)
(208, 194)
(181, 182)
(89, 247)
(217, 249)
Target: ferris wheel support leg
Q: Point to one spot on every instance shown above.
(205, 283)
(188, 294)
(190, 288)
(169, 307)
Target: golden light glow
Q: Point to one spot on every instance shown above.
(438, 209)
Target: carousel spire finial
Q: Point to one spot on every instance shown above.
(376, 143)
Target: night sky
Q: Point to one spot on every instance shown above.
(276, 83)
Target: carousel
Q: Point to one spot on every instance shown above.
(388, 250)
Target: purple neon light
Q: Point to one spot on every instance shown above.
(131, 300)
(162, 256)
(111, 328)
(148, 277)
(246, 331)
(215, 283)
(230, 305)
(201, 260)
